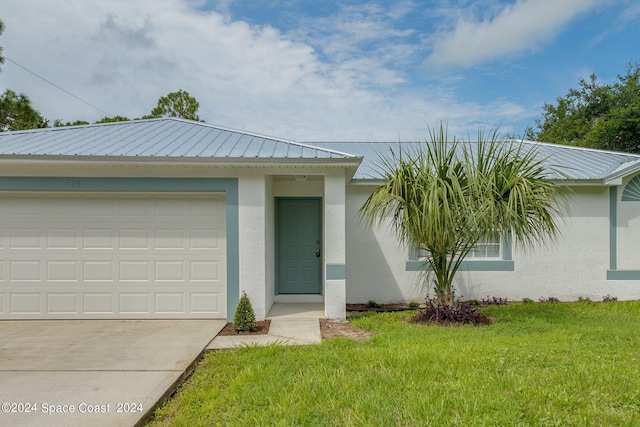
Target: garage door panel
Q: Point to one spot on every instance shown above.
(97, 238)
(170, 271)
(98, 271)
(134, 303)
(133, 238)
(25, 303)
(168, 238)
(62, 238)
(24, 271)
(62, 303)
(170, 303)
(98, 303)
(25, 238)
(206, 303)
(62, 271)
(151, 257)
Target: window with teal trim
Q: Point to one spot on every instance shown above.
(631, 191)
(493, 254)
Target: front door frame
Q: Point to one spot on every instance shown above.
(321, 245)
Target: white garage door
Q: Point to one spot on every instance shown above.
(112, 256)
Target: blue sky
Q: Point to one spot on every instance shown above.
(307, 70)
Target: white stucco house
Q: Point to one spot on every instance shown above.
(169, 218)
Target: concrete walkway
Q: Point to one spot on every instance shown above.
(291, 324)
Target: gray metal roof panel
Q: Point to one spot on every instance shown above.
(575, 163)
(155, 138)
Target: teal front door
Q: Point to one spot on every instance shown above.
(299, 245)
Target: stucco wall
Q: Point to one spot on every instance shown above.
(375, 259)
(573, 266)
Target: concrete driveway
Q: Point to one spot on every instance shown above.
(94, 372)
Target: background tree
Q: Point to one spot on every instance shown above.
(113, 119)
(595, 115)
(1, 31)
(176, 104)
(57, 123)
(16, 113)
(448, 196)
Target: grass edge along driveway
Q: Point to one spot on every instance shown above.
(537, 364)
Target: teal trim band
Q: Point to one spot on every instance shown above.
(623, 274)
(613, 228)
(75, 184)
(227, 185)
(336, 272)
(507, 251)
(476, 265)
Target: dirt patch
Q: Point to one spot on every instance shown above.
(379, 307)
(342, 328)
(262, 328)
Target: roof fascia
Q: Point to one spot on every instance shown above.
(616, 177)
(352, 163)
(561, 182)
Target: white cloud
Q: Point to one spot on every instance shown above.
(520, 27)
(122, 56)
(631, 12)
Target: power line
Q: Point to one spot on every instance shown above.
(56, 86)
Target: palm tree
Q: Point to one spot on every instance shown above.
(446, 197)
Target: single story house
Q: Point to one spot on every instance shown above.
(169, 218)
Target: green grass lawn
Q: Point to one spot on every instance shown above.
(536, 365)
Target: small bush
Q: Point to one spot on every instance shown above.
(609, 298)
(527, 301)
(494, 301)
(244, 318)
(413, 305)
(585, 300)
(459, 312)
(372, 304)
(549, 300)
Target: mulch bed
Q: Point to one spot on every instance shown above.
(382, 308)
(262, 329)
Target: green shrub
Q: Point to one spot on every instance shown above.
(526, 300)
(414, 305)
(372, 304)
(244, 318)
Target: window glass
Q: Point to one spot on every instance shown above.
(485, 249)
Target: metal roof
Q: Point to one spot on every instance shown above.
(162, 138)
(575, 163)
(172, 138)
